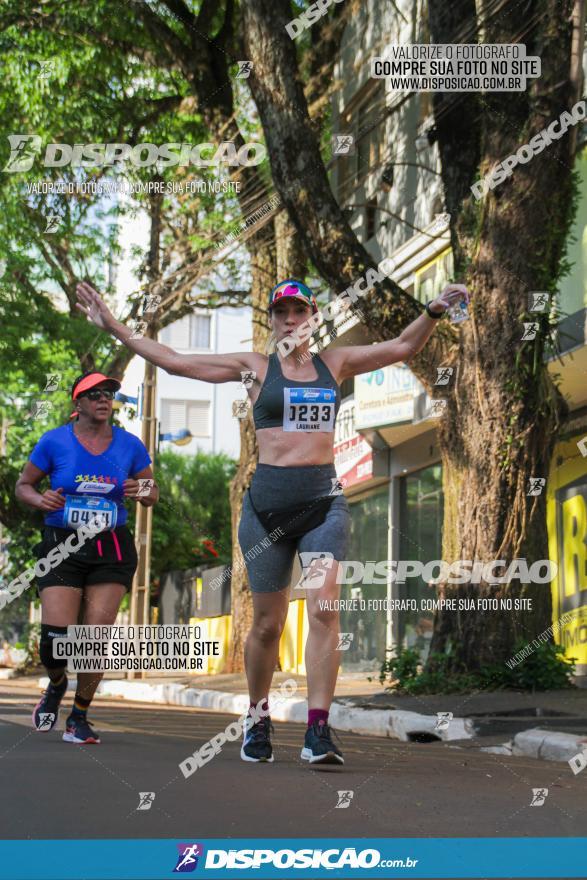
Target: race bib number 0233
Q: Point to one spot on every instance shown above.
(309, 409)
(79, 510)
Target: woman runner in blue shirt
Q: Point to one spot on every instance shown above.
(93, 467)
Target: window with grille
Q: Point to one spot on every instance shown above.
(365, 119)
(200, 331)
(191, 414)
(370, 132)
(371, 219)
(190, 332)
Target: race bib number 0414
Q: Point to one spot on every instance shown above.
(309, 409)
(80, 510)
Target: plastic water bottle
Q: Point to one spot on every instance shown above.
(459, 312)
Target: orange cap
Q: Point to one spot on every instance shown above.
(90, 381)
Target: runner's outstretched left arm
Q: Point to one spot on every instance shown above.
(356, 359)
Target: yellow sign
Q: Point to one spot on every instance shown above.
(567, 541)
(431, 278)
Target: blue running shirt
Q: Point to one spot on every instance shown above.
(69, 464)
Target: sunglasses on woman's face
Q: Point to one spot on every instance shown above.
(98, 394)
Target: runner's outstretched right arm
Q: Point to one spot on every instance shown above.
(206, 367)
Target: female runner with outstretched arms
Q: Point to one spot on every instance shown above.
(295, 402)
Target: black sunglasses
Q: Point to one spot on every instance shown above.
(98, 394)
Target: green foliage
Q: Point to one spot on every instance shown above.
(402, 667)
(545, 669)
(14, 618)
(75, 77)
(407, 674)
(194, 508)
(30, 643)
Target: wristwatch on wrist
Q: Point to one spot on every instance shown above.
(434, 315)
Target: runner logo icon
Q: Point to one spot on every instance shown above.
(23, 149)
(344, 799)
(187, 860)
(46, 720)
(146, 799)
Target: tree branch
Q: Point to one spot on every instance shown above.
(226, 32)
(205, 15)
(180, 11)
(301, 180)
(164, 36)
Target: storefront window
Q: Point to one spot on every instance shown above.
(369, 525)
(421, 510)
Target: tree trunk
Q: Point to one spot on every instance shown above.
(263, 267)
(271, 261)
(489, 516)
(299, 173)
(504, 412)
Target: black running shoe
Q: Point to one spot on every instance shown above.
(256, 741)
(46, 712)
(319, 747)
(79, 730)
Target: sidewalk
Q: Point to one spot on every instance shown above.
(548, 724)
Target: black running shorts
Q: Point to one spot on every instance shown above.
(108, 557)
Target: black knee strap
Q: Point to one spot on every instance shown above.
(48, 633)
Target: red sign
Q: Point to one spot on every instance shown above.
(353, 457)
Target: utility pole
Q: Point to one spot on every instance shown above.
(141, 587)
(6, 423)
(139, 603)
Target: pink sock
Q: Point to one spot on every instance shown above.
(317, 715)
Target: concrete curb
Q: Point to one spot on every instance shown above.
(504, 749)
(551, 745)
(394, 723)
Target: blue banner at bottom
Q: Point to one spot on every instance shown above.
(222, 858)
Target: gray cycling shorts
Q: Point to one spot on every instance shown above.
(270, 564)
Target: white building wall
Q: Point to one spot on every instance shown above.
(416, 194)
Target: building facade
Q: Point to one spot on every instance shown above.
(390, 187)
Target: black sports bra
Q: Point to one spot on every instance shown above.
(308, 405)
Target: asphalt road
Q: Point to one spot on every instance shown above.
(59, 790)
